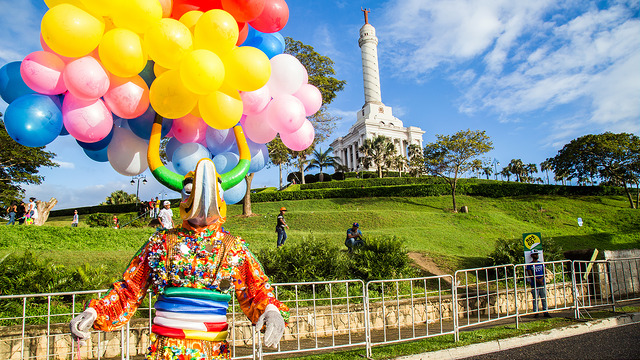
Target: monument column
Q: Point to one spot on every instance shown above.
(369, 49)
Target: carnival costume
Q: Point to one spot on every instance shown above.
(193, 270)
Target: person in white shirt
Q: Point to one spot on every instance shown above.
(166, 216)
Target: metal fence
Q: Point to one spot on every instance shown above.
(337, 314)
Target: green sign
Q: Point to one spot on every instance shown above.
(532, 241)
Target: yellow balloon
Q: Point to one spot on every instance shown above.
(219, 110)
(169, 97)
(52, 3)
(196, 111)
(137, 15)
(159, 70)
(100, 7)
(247, 68)
(167, 42)
(121, 52)
(190, 18)
(202, 71)
(71, 31)
(216, 30)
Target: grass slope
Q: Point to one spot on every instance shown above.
(425, 224)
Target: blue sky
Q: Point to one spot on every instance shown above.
(533, 74)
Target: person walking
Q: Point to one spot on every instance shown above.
(535, 273)
(281, 224)
(12, 210)
(166, 216)
(74, 222)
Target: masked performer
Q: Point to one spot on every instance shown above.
(193, 270)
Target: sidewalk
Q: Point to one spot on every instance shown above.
(529, 339)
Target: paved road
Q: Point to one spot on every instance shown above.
(622, 342)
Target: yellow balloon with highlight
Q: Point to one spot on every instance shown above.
(121, 53)
(137, 15)
(169, 97)
(219, 110)
(202, 71)
(167, 42)
(247, 68)
(216, 30)
(71, 31)
(190, 19)
(100, 7)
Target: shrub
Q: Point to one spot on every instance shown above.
(294, 176)
(380, 258)
(106, 220)
(325, 177)
(338, 176)
(308, 179)
(511, 251)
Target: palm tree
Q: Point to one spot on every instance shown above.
(120, 197)
(416, 159)
(546, 166)
(516, 167)
(505, 173)
(322, 160)
(488, 171)
(529, 170)
(376, 151)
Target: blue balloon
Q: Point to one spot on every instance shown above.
(171, 147)
(11, 84)
(34, 120)
(147, 73)
(98, 145)
(186, 157)
(219, 141)
(225, 162)
(259, 156)
(251, 34)
(64, 131)
(236, 193)
(98, 155)
(141, 126)
(269, 44)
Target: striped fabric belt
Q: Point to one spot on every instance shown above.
(185, 313)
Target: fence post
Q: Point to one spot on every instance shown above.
(576, 300)
(515, 295)
(454, 298)
(367, 325)
(613, 297)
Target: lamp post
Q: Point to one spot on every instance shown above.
(496, 167)
(138, 178)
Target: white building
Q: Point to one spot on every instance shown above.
(374, 118)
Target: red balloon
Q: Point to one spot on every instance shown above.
(243, 10)
(180, 7)
(244, 32)
(273, 18)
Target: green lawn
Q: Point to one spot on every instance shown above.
(425, 224)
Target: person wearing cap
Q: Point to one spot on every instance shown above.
(280, 227)
(354, 237)
(74, 222)
(165, 216)
(535, 274)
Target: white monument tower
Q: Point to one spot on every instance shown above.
(374, 118)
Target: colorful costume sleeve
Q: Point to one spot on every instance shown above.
(124, 297)
(257, 292)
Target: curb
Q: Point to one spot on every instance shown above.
(524, 340)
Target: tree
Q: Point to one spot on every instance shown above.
(516, 167)
(397, 162)
(19, 165)
(487, 171)
(475, 167)
(322, 159)
(505, 173)
(451, 156)
(613, 158)
(416, 160)
(279, 154)
(120, 197)
(529, 170)
(376, 151)
(546, 166)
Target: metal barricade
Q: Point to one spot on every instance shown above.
(625, 278)
(554, 291)
(591, 285)
(323, 315)
(484, 295)
(409, 309)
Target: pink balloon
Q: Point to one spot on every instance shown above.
(310, 97)
(86, 120)
(286, 113)
(46, 48)
(257, 128)
(189, 129)
(301, 139)
(42, 72)
(86, 78)
(254, 102)
(127, 97)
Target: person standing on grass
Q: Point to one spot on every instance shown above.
(32, 211)
(151, 205)
(281, 224)
(12, 210)
(535, 273)
(157, 207)
(166, 216)
(74, 222)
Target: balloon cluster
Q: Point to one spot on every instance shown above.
(108, 67)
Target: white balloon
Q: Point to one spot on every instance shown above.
(127, 153)
(287, 75)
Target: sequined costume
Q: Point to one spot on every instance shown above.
(193, 273)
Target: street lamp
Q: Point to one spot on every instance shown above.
(496, 164)
(138, 178)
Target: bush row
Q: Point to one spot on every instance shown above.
(114, 209)
(418, 190)
(351, 183)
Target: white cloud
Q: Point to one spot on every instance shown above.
(66, 165)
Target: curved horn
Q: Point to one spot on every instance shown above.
(165, 176)
(235, 175)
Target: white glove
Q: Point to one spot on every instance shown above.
(81, 324)
(274, 323)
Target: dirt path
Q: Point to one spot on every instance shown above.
(425, 263)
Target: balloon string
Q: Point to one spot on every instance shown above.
(78, 352)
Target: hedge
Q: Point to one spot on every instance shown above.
(114, 209)
(351, 183)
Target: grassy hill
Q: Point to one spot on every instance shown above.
(425, 224)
